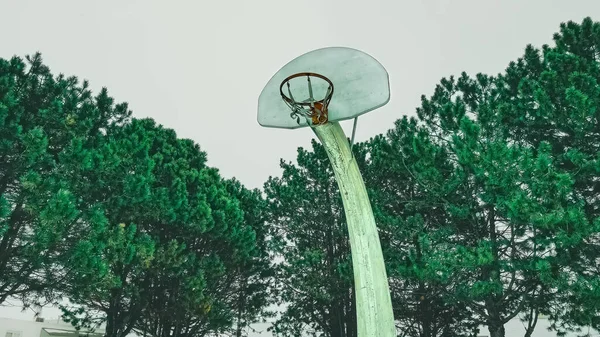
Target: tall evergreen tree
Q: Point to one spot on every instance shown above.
(237, 286)
(550, 104)
(168, 231)
(123, 218)
(45, 121)
(413, 227)
(254, 276)
(314, 277)
(487, 178)
(519, 194)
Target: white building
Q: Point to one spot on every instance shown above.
(41, 328)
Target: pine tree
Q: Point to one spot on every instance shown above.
(254, 276)
(314, 278)
(167, 243)
(413, 227)
(487, 177)
(46, 122)
(519, 194)
(550, 100)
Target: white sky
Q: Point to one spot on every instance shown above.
(199, 66)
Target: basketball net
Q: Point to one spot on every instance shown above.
(314, 111)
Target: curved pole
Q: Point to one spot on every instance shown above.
(373, 303)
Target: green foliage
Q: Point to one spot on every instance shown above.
(314, 277)
(44, 120)
(121, 217)
(252, 280)
(550, 105)
(508, 167)
(184, 236)
(484, 178)
(414, 228)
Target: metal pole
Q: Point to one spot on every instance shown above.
(373, 303)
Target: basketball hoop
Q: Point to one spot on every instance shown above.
(313, 110)
(363, 85)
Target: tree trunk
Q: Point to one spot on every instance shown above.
(422, 298)
(108, 331)
(351, 316)
(241, 306)
(497, 330)
(492, 303)
(335, 313)
(533, 318)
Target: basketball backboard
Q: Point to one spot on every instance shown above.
(361, 84)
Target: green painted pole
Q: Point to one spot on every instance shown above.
(373, 303)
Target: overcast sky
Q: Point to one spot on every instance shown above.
(199, 66)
